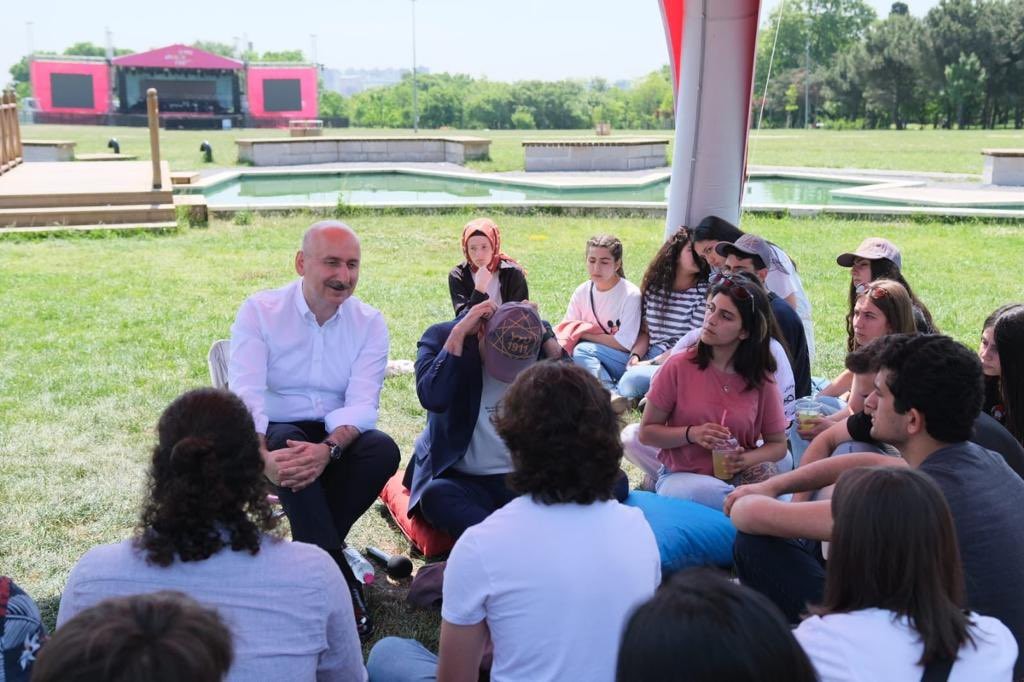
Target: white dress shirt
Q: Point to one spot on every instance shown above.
(288, 368)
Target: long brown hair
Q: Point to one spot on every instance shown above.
(894, 547)
(883, 268)
(661, 272)
(893, 299)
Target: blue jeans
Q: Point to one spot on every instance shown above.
(637, 379)
(604, 362)
(797, 444)
(700, 488)
(394, 659)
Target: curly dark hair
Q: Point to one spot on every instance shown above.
(938, 377)
(661, 273)
(753, 359)
(883, 268)
(206, 488)
(159, 637)
(558, 424)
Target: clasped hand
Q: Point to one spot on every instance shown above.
(297, 465)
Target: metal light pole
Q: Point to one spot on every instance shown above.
(807, 68)
(31, 51)
(415, 102)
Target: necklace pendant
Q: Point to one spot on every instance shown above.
(725, 388)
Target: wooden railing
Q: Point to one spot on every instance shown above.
(10, 132)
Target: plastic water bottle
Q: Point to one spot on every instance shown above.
(362, 568)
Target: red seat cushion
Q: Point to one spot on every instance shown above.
(426, 539)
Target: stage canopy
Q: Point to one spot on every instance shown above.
(177, 57)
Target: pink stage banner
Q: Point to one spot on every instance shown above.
(176, 57)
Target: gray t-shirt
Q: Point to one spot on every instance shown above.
(287, 607)
(984, 496)
(486, 453)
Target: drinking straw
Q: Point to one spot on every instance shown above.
(724, 413)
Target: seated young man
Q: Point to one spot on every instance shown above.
(463, 369)
(927, 395)
(550, 578)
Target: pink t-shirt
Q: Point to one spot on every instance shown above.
(692, 396)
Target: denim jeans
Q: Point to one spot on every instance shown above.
(700, 488)
(798, 445)
(790, 572)
(394, 659)
(604, 362)
(637, 379)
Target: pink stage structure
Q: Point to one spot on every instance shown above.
(711, 49)
(197, 89)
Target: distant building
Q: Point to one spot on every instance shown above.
(197, 89)
(351, 81)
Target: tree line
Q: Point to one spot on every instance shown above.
(833, 63)
(839, 65)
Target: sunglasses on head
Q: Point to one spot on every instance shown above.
(725, 280)
(872, 292)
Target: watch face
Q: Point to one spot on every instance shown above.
(335, 452)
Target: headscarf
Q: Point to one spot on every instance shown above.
(487, 228)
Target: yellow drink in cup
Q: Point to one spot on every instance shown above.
(808, 413)
(718, 454)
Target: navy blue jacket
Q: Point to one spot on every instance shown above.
(449, 388)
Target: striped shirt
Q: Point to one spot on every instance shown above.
(670, 314)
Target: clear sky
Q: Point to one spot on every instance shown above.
(545, 39)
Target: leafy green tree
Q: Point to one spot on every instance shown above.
(522, 119)
(965, 86)
(333, 106)
(843, 86)
(284, 56)
(894, 49)
(223, 49)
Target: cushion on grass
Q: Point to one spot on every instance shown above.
(425, 539)
(688, 534)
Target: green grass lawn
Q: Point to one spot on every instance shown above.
(953, 151)
(100, 333)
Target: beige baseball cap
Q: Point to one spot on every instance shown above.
(872, 248)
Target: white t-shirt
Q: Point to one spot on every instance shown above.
(782, 284)
(618, 309)
(783, 370)
(555, 584)
(875, 645)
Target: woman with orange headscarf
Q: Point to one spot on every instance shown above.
(487, 273)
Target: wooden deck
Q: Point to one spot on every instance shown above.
(63, 193)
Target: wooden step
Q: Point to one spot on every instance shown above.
(59, 199)
(87, 215)
(56, 229)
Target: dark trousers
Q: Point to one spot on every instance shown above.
(455, 501)
(789, 572)
(323, 512)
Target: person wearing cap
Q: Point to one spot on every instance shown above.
(308, 361)
(463, 368)
(878, 258)
(750, 253)
(784, 283)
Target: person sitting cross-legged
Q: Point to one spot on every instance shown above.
(927, 395)
(550, 578)
(463, 370)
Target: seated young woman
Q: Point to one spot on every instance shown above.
(882, 307)
(487, 273)
(894, 600)
(876, 259)
(610, 305)
(675, 291)
(721, 389)
(702, 627)
(205, 531)
(1002, 361)
(784, 282)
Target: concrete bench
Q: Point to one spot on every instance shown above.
(616, 154)
(278, 151)
(1003, 167)
(48, 150)
(184, 177)
(305, 127)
